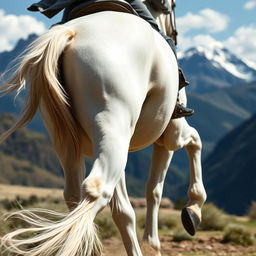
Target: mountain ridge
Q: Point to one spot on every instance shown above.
(210, 68)
(229, 171)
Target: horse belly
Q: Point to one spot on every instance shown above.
(154, 118)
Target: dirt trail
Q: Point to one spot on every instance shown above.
(208, 246)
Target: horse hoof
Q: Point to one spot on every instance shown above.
(190, 221)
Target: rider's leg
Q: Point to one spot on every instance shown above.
(144, 13)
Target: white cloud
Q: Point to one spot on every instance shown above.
(207, 19)
(205, 40)
(243, 42)
(250, 5)
(13, 27)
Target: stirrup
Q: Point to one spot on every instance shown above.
(182, 79)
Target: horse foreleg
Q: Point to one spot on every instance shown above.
(178, 135)
(159, 166)
(124, 217)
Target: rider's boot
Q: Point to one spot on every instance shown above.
(180, 110)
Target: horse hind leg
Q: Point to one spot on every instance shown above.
(111, 152)
(72, 164)
(191, 213)
(124, 218)
(74, 174)
(178, 135)
(159, 167)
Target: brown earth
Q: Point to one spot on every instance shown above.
(202, 246)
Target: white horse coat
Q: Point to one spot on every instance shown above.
(120, 88)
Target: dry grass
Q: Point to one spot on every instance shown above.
(12, 191)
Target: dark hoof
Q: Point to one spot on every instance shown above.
(190, 221)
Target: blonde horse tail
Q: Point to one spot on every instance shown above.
(74, 233)
(39, 67)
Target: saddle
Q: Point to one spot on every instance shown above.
(80, 9)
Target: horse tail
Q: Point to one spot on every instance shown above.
(39, 66)
(74, 233)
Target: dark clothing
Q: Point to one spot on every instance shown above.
(51, 7)
(161, 6)
(145, 14)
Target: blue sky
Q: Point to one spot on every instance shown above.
(231, 23)
(234, 9)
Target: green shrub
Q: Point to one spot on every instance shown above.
(141, 221)
(252, 211)
(33, 199)
(237, 234)
(164, 222)
(6, 204)
(106, 226)
(179, 204)
(18, 202)
(167, 222)
(181, 235)
(212, 218)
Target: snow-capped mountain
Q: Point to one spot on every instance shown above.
(209, 68)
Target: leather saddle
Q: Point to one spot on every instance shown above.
(77, 10)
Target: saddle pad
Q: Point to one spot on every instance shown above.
(93, 6)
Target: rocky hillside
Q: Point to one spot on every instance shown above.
(27, 158)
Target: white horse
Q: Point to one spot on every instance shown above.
(120, 89)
